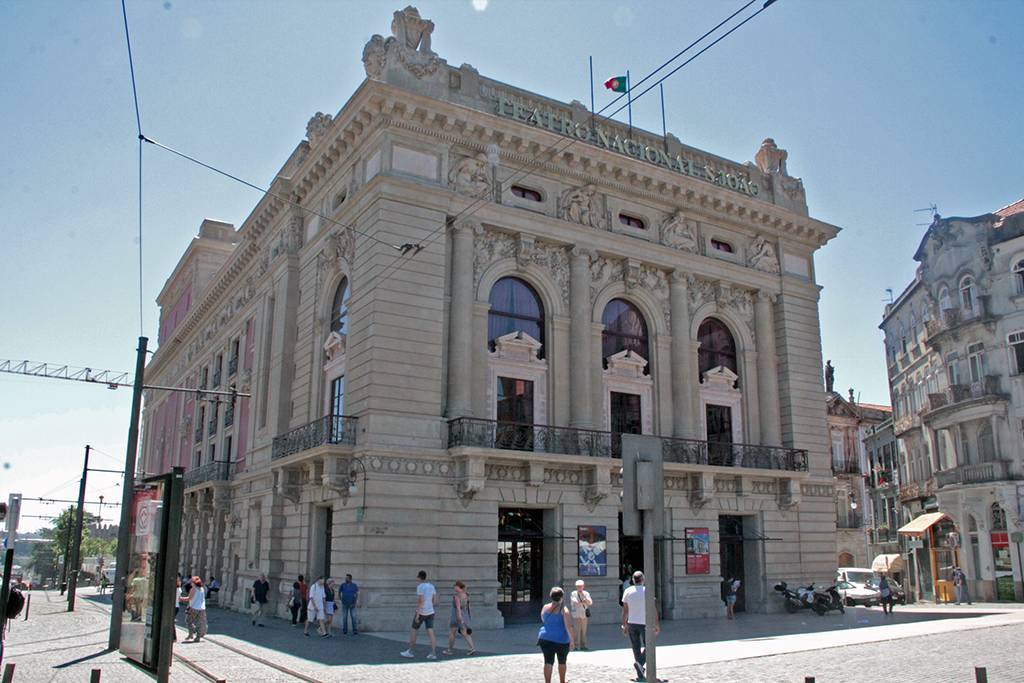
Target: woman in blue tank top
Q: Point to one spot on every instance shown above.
(555, 636)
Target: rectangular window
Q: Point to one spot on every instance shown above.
(338, 396)
(626, 417)
(227, 449)
(205, 377)
(719, 422)
(213, 453)
(196, 459)
(1016, 341)
(719, 245)
(631, 221)
(952, 369)
(514, 430)
(976, 361)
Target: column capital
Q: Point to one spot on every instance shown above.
(468, 226)
(679, 277)
(764, 296)
(578, 251)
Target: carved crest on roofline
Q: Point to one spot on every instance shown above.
(408, 47)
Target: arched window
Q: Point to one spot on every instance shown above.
(986, 443)
(998, 518)
(624, 328)
(717, 347)
(945, 303)
(972, 524)
(845, 559)
(967, 293)
(1018, 276)
(339, 309)
(515, 307)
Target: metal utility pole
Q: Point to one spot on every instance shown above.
(76, 549)
(64, 562)
(127, 493)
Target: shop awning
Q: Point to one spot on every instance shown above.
(921, 524)
(883, 564)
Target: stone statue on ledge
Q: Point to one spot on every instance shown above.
(830, 377)
(409, 45)
(771, 159)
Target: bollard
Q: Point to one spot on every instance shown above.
(9, 672)
(28, 605)
(980, 674)
(94, 677)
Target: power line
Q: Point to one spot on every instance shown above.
(138, 126)
(558, 147)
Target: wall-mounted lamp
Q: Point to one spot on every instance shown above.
(353, 486)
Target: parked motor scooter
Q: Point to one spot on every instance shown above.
(827, 600)
(796, 600)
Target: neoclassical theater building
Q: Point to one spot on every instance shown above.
(456, 299)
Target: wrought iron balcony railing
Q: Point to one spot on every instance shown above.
(232, 366)
(467, 431)
(211, 471)
(333, 429)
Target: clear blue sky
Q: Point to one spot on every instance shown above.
(885, 107)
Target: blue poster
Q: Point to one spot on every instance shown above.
(593, 550)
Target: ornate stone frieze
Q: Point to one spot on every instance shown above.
(507, 472)
(635, 275)
(408, 46)
(417, 466)
(817, 490)
(561, 476)
(680, 233)
(471, 176)
(582, 205)
(762, 256)
(340, 246)
(490, 246)
(318, 125)
(738, 301)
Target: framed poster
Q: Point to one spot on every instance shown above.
(698, 550)
(592, 553)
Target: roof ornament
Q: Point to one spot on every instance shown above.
(408, 46)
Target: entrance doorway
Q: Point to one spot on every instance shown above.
(730, 544)
(631, 559)
(520, 563)
(321, 538)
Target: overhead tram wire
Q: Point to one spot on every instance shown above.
(558, 147)
(138, 126)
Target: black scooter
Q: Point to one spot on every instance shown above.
(821, 602)
(827, 600)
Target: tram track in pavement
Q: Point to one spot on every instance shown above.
(199, 669)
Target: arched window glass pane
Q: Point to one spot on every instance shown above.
(624, 328)
(339, 309)
(515, 307)
(717, 346)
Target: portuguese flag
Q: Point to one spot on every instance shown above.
(617, 83)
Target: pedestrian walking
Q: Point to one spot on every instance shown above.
(634, 623)
(579, 608)
(177, 607)
(303, 604)
(315, 609)
(330, 595)
(963, 593)
(426, 600)
(195, 614)
(555, 634)
(885, 594)
(259, 599)
(730, 589)
(349, 601)
(459, 622)
(295, 602)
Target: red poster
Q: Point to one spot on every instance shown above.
(698, 550)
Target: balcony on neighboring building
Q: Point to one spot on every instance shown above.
(916, 490)
(330, 430)
(977, 473)
(847, 466)
(211, 471)
(904, 423)
(952, 320)
(479, 433)
(938, 407)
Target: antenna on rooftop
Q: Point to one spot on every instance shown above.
(931, 208)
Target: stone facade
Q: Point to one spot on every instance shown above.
(377, 439)
(954, 357)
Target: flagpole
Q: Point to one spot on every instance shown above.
(593, 110)
(629, 102)
(664, 130)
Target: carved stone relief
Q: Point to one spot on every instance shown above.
(739, 301)
(318, 126)
(635, 275)
(490, 246)
(582, 205)
(680, 233)
(762, 256)
(471, 176)
(409, 45)
(341, 245)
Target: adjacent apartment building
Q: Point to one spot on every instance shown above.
(955, 353)
(458, 297)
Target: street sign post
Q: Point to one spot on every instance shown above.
(643, 508)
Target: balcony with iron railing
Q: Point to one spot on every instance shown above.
(329, 430)
(957, 396)
(211, 471)
(916, 490)
(953, 319)
(532, 438)
(975, 473)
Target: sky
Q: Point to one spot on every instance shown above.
(885, 107)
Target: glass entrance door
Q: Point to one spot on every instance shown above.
(520, 564)
(719, 422)
(730, 543)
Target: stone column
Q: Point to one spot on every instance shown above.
(580, 415)
(767, 371)
(682, 357)
(460, 321)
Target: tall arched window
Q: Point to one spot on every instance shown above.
(339, 309)
(967, 293)
(515, 307)
(945, 303)
(624, 328)
(1018, 276)
(717, 346)
(986, 442)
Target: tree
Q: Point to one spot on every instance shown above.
(61, 535)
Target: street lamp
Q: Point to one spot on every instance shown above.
(353, 487)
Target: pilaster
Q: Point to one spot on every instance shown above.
(682, 354)
(460, 332)
(580, 408)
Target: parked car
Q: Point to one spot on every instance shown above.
(899, 596)
(853, 594)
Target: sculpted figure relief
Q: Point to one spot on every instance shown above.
(375, 57)
(317, 126)
(472, 176)
(581, 205)
(762, 256)
(680, 233)
(411, 30)
(771, 159)
(409, 45)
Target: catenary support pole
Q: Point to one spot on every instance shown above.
(128, 489)
(64, 564)
(76, 548)
(650, 598)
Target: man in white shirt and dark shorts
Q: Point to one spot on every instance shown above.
(634, 622)
(426, 600)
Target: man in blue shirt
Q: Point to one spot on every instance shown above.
(349, 601)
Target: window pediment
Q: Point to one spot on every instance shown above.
(721, 377)
(517, 347)
(626, 363)
(334, 346)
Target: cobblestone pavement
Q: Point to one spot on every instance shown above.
(917, 644)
